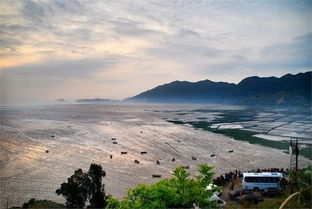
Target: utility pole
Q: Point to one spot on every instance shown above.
(297, 153)
(293, 152)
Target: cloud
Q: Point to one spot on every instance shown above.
(146, 43)
(62, 69)
(33, 11)
(176, 51)
(298, 51)
(132, 28)
(188, 32)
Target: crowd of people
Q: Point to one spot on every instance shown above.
(229, 176)
(279, 170)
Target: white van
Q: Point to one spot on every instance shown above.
(260, 181)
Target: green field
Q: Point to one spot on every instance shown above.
(245, 115)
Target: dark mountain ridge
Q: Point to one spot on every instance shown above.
(288, 90)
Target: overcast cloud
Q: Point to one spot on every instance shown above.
(52, 49)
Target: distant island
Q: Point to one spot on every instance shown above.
(61, 100)
(95, 100)
(288, 90)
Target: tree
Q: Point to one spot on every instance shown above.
(203, 180)
(180, 191)
(33, 203)
(75, 190)
(29, 203)
(182, 185)
(97, 196)
(81, 187)
(301, 186)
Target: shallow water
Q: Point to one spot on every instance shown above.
(77, 135)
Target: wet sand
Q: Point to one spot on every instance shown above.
(27, 171)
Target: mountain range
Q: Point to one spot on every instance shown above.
(288, 90)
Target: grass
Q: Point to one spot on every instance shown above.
(176, 122)
(232, 116)
(244, 135)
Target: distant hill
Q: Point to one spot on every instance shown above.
(61, 100)
(94, 100)
(288, 90)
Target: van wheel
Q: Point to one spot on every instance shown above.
(256, 189)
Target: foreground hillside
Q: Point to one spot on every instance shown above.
(288, 90)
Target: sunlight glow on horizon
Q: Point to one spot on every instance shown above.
(59, 49)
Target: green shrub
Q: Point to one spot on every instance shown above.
(179, 191)
(33, 203)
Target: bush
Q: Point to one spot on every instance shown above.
(33, 203)
(180, 191)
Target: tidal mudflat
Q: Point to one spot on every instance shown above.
(41, 146)
(271, 127)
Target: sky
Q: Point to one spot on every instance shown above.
(51, 49)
